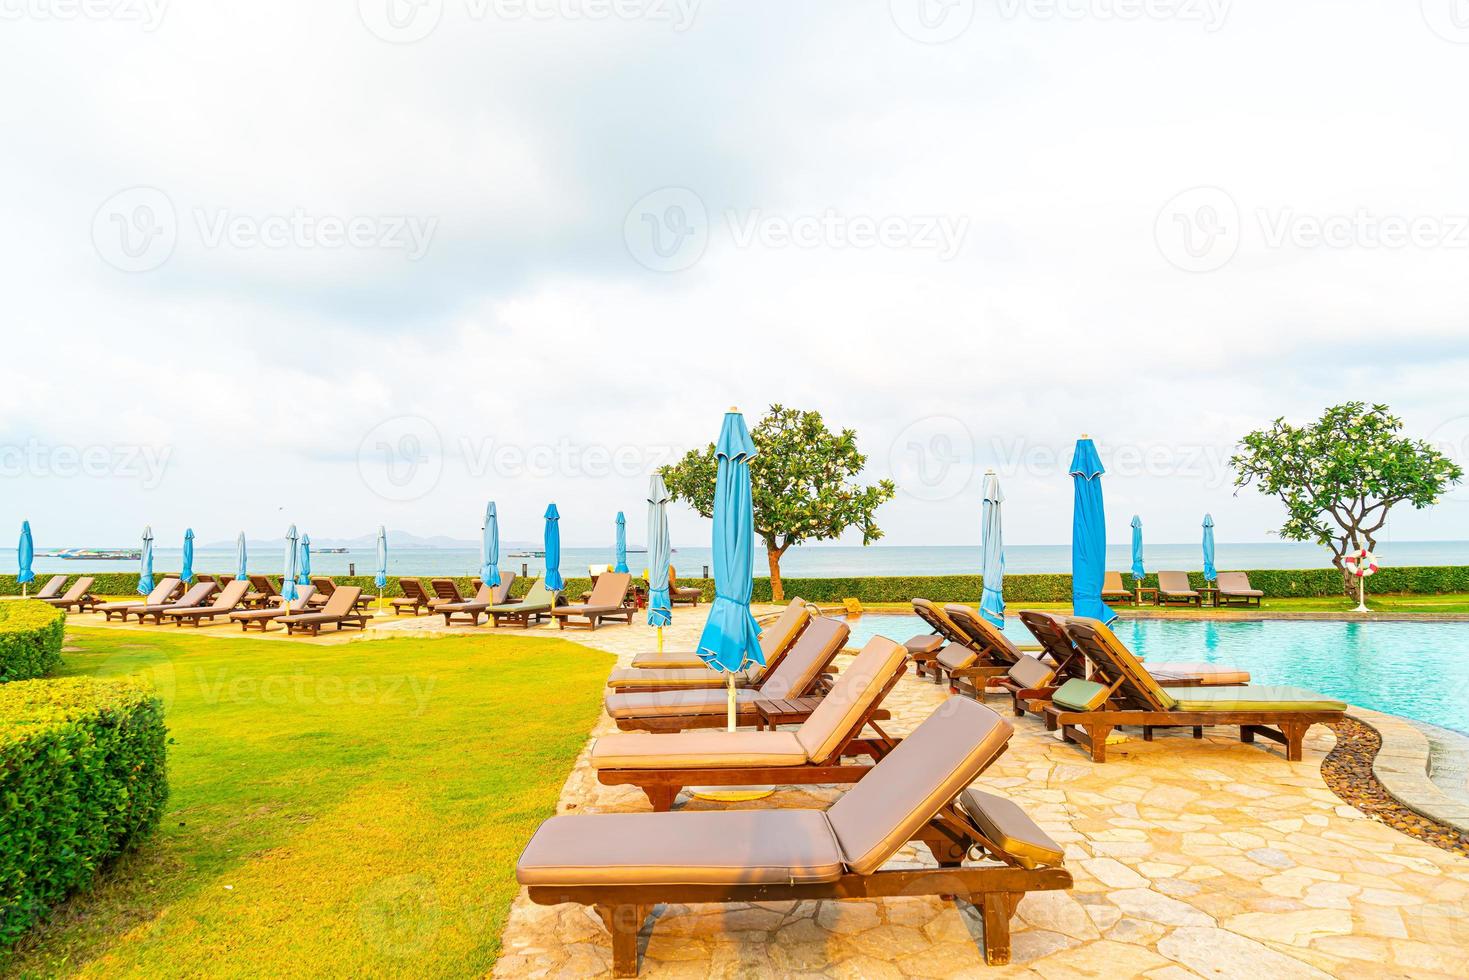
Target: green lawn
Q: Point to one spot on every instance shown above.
(355, 806)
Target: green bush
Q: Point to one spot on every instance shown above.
(30, 640)
(82, 776)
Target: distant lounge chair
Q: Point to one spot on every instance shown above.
(625, 864)
(925, 648)
(775, 639)
(229, 599)
(796, 674)
(661, 765)
(161, 594)
(445, 590)
(1174, 589)
(534, 607)
(261, 618)
(339, 611)
(415, 597)
(608, 601)
(78, 596)
(262, 592)
(680, 596)
(1114, 591)
(212, 580)
(196, 596)
(326, 587)
(487, 596)
(52, 588)
(1086, 712)
(1235, 590)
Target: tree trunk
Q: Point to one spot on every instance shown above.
(777, 589)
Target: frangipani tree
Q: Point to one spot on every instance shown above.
(1340, 476)
(802, 484)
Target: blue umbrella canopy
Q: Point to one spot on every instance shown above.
(660, 608)
(25, 554)
(1138, 571)
(553, 579)
(382, 558)
(620, 552)
(1209, 571)
(242, 562)
(1088, 534)
(186, 573)
(489, 547)
(731, 638)
(992, 550)
(288, 575)
(304, 578)
(145, 564)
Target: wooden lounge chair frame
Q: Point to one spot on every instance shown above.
(78, 595)
(1240, 593)
(524, 614)
(122, 611)
(226, 601)
(52, 588)
(196, 596)
(1113, 591)
(589, 615)
(261, 617)
(414, 597)
(1133, 701)
(499, 595)
(679, 595)
(1186, 596)
(339, 611)
(445, 590)
(938, 620)
(263, 590)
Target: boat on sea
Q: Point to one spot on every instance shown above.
(527, 554)
(97, 554)
(333, 551)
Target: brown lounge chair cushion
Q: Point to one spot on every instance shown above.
(697, 750)
(1237, 585)
(925, 644)
(693, 678)
(1175, 583)
(1007, 825)
(1030, 673)
(774, 638)
(608, 597)
(728, 847)
(678, 704)
(1204, 675)
(303, 596)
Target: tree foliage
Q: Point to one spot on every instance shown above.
(802, 483)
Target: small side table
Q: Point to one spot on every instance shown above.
(1141, 593)
(783, 711)
(1209, 596)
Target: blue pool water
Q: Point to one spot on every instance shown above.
(1416, 670)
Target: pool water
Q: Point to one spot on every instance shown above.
(1416, 670)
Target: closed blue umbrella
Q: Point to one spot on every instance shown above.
(305, 577)
(489, 547)
(660, 608)
(553, 579)
(1138, 571)
(145, 565)
(382, 560)
(25, 554)
(186, 573)
(731, 638)
(242, 563)
(1209, 573)
(288, 574)
(620, 554)
(1088, 534)
(992, 549)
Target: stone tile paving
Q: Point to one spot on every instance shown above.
(1191, 859)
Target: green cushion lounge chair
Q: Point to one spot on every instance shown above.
(536, 606)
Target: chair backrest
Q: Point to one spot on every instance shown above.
(203, 577)
(485, 594)
(229, 597)
(1234, 582)
(1114, 662)
(302, 602)
(263, 585)
(1029, 672)
(777, 638)
(52, 588)
(1112, 582)
(502, 591)
(982, 633)
(797, 671)
(445, 588)
(1174, 582)
(935, 617)
(933, 765)
(79, 588)
(1050, 630)
(611, 589)
(162, 592)
(323, 585)
(412, 588)
(857, 690)
(197, 594)
(340, 602)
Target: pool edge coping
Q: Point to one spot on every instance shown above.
(1402, 767)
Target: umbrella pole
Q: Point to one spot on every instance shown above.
(660, 639)
(729, 679)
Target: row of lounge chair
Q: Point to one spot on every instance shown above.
(1174, 589)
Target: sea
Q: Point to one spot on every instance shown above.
(815, 561)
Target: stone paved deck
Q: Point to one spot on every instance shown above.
(1191, 859)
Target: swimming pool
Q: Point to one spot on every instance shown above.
(1416, 670)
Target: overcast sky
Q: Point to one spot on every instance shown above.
(343, 264)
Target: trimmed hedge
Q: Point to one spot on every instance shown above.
(82, 777)
(30, 640)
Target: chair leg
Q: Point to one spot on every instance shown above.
(661, 797)
(623, 923)
(1295, 735)
(995, 909)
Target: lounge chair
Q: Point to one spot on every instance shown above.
(415, 597)
(261, 618)
(339, 611)
(229, 600)
(775, 639)
(212, 580)
(196, 596)
(446, 590)
(162, 593)
(680, 596)
(1235, 590)
(534, 607)
(325, 587)
(262, 592)
(78, 595)
(1174, 589)
(925, 647)
(662, 765)
(1113, 591)
(608, 601)
(795, 674)
(1086, 712)
(487, 596)
(625, 864)
(52, 588)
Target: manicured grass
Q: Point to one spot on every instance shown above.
(356, 808)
